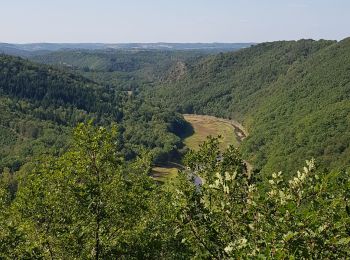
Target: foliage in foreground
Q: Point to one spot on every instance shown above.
(91, 203)
(233, 216)
(87, 203)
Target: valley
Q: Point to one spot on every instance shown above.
(92, 142)
(175, 130)
(228, 85)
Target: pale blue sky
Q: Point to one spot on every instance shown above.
(117, 21)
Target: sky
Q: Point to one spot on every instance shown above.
(123, 21)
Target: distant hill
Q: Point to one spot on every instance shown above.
(123, 69)
(292, 96)
(34, 48)
(111, 60)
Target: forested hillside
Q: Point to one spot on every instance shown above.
(308, 114)
(123, 69)
(47, 86)
(41, 104)
(280, 91)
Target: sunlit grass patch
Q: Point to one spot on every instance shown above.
(206, 125)
(164, 173)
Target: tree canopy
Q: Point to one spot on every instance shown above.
(90, 203)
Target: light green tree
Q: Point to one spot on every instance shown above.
(230, 215)
(88, 203)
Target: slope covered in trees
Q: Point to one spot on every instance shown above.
(232, 84)
(308, 113)
(40, 104)
(292, 97)
(123, 69)
(48, 86)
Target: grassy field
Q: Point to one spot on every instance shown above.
(164, 173)
(207, 125)
(203, 126)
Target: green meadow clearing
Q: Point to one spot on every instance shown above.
(164, 173)
(205, 126)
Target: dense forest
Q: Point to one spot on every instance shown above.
(123, 69)
(293, 97)
(40, 105)
(80, 131)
